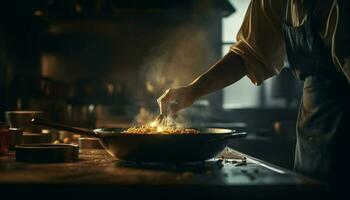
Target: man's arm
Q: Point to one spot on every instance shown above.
(226, 71)
(259, 53)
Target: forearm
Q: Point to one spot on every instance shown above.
(226, 71)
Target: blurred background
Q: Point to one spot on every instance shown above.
(103, 63)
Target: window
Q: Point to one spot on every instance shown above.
(243, 94)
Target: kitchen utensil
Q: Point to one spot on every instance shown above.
(169, 148)
(21, 119)
(15, 137)
(47, 153)
(168, 118)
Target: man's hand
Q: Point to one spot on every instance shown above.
(175, 99)
(226, 71)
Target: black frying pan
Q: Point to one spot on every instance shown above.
(168, 148)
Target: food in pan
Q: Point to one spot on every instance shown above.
(147, 129)
(163, 124)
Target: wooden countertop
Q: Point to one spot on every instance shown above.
(96, 172)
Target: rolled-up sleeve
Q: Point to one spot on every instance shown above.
(260, 41)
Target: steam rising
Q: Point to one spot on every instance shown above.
(176, 62)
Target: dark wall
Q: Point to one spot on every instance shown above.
(80, 47)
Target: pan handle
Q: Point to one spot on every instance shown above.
(230, 136)
(47, 123)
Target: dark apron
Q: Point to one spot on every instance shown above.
(323, 117)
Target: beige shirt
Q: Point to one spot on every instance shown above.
(260, 41)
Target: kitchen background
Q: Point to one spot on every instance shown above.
(103, 63)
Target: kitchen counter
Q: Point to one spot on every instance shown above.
(232, 174)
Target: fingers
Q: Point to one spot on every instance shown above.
(164, 100)
(168, 102)
(173, 100)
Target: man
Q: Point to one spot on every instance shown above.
(315, 37)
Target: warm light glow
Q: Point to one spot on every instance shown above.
(110, 88)
(45, 131)
(38, 13)
(160, 129)
(91, 108)
(153, 124)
